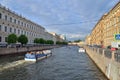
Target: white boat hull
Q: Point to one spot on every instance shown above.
(38, 56)
(26, 59)
(41, 58)
(81, 50)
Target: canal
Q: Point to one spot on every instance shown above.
(66, 63)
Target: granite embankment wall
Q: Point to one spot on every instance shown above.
(108, 61)
(5, 51)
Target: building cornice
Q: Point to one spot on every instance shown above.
(19, 15)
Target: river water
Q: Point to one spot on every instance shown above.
(66, 63)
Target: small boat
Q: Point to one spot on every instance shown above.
(40, 55)
(34, 56)
(30, 57)
(81, 50)
(47, 52)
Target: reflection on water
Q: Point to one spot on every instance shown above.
(66, 63)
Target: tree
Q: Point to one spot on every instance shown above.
(65, 43)
(78, 40)
(61, 43)
(22, 39)
(12, 38)
(41, 40)
(58, 42)
(36, 40)
(49, 42)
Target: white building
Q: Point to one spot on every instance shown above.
(57, 37)
(10, 22)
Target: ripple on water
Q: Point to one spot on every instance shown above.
(65, 64)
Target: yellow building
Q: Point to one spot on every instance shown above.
(97, 34)
(107, 26)
(88, 40)
(112, 24)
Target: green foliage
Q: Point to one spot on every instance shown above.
(36, 40)
(49, 42)
(22, 39)
(65, 43)
(61, 43)
(12, 38)
(78, 40)
(41, 40)
(58, 42)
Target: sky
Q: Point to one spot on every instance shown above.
(72, 18)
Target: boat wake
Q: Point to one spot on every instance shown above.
(12, 65)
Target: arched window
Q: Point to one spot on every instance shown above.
(6, 38)
(6, 17)
(0, 15)
(0, 27)
(0, 38)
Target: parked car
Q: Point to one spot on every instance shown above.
(113, 49)
(97, 46)
(3, 44)
(109, 47)
(15, 45)
(29, 45)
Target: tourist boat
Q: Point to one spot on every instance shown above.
(47, 52)
(81, 50)
(34, 56)
(30, 56)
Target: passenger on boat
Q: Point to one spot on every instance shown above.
(37, 52)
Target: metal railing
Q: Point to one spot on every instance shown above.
(117, 56)
(107, 53)
(100, 51)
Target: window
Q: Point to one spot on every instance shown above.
(5, 28)
(30, 26)
(5, 17)
(0, 38)
(25, 32)
(18, 31)
(19, 22)
(22, 23)
(0, 27)
(21, 32)
(6, 38)
(14, 30)
(0, 15)
(10, 19)
(15, 21)
(119, 18)
(25, 24)
(10, 29)
(114, 20)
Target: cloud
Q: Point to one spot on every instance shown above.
(5, 2)
(53, 30)
(76, 35)
(46, 12)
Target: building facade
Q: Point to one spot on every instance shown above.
(57, 37)
(107, 26)
(97, 34)
(11, 22)
(112, 24)
(88, 40)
